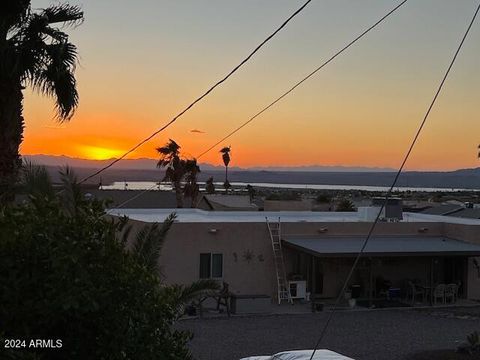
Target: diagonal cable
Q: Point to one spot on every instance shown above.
(201, 97)
(389, 192)
(304, 79)
(285, 93)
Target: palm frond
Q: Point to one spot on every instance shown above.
(148, 243)
(72, 194)
(46, 59)
(14, 13)
(225, 149)
(226, 154)
(169, 153)
(126, 231)
(36, 180)
(58, 80)
(183, 295)
(196, 289)
(63, 13)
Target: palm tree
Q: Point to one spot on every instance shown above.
(191, 188)
(251, 192)
(145, 246)
(174, 167)
(33, 51)
(345, 205)
(36, 181)
(210, 186)
(226, 160)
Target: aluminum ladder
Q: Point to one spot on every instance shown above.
(282, 283)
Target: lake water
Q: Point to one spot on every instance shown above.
(150, 185)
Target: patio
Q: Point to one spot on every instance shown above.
(394, 271)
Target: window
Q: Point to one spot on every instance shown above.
(211, 266)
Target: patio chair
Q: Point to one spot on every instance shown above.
(413, 291)
(451, 292)
(439, 293)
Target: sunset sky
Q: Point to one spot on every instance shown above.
(143, 61)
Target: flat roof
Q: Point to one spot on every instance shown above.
(347, 246)
(203, 216)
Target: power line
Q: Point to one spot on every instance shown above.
(285, 93)
(304, 79)
(389, 192)
(132, 198)
(202, 96)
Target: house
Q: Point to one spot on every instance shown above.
(318, 248)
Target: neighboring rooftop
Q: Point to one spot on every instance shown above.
(199, 216)
(219, 202)
(445, 209)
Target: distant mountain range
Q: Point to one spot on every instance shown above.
(145, 170)
(150, 164)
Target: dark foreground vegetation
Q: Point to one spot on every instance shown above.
(66, 273)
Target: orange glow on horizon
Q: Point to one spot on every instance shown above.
(361, 110)
(100, 153)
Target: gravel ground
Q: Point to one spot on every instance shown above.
(363, 335)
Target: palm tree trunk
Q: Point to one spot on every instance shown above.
(193, 204)
(226, 178)
(11, 136)
(178, 194)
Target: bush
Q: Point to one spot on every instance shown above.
(284, 196)
(345, 205)
(323, 198)
(65, 274)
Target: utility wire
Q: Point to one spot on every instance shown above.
(304, 79)
(285, 93)
(407, 155)
(202, 96)
(109, 211)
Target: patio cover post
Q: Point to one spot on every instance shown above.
(370, 290)
(432, 266)
(314, 280)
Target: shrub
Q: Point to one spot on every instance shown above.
(345, 205)
(65, 273)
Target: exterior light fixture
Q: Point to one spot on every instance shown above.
(212, 231)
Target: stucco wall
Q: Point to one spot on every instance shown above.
(236, 241)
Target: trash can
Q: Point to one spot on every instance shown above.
(356, 289)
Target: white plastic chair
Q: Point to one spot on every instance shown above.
(439, 293)
(451, 292)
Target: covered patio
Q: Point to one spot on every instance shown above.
(393, 271)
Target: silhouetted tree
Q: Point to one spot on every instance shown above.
(174, 168)
(226, 161)
(210, 186)
(191, 188)
(179, 170)
(33, 51)
(251, 192)
(345, 205)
